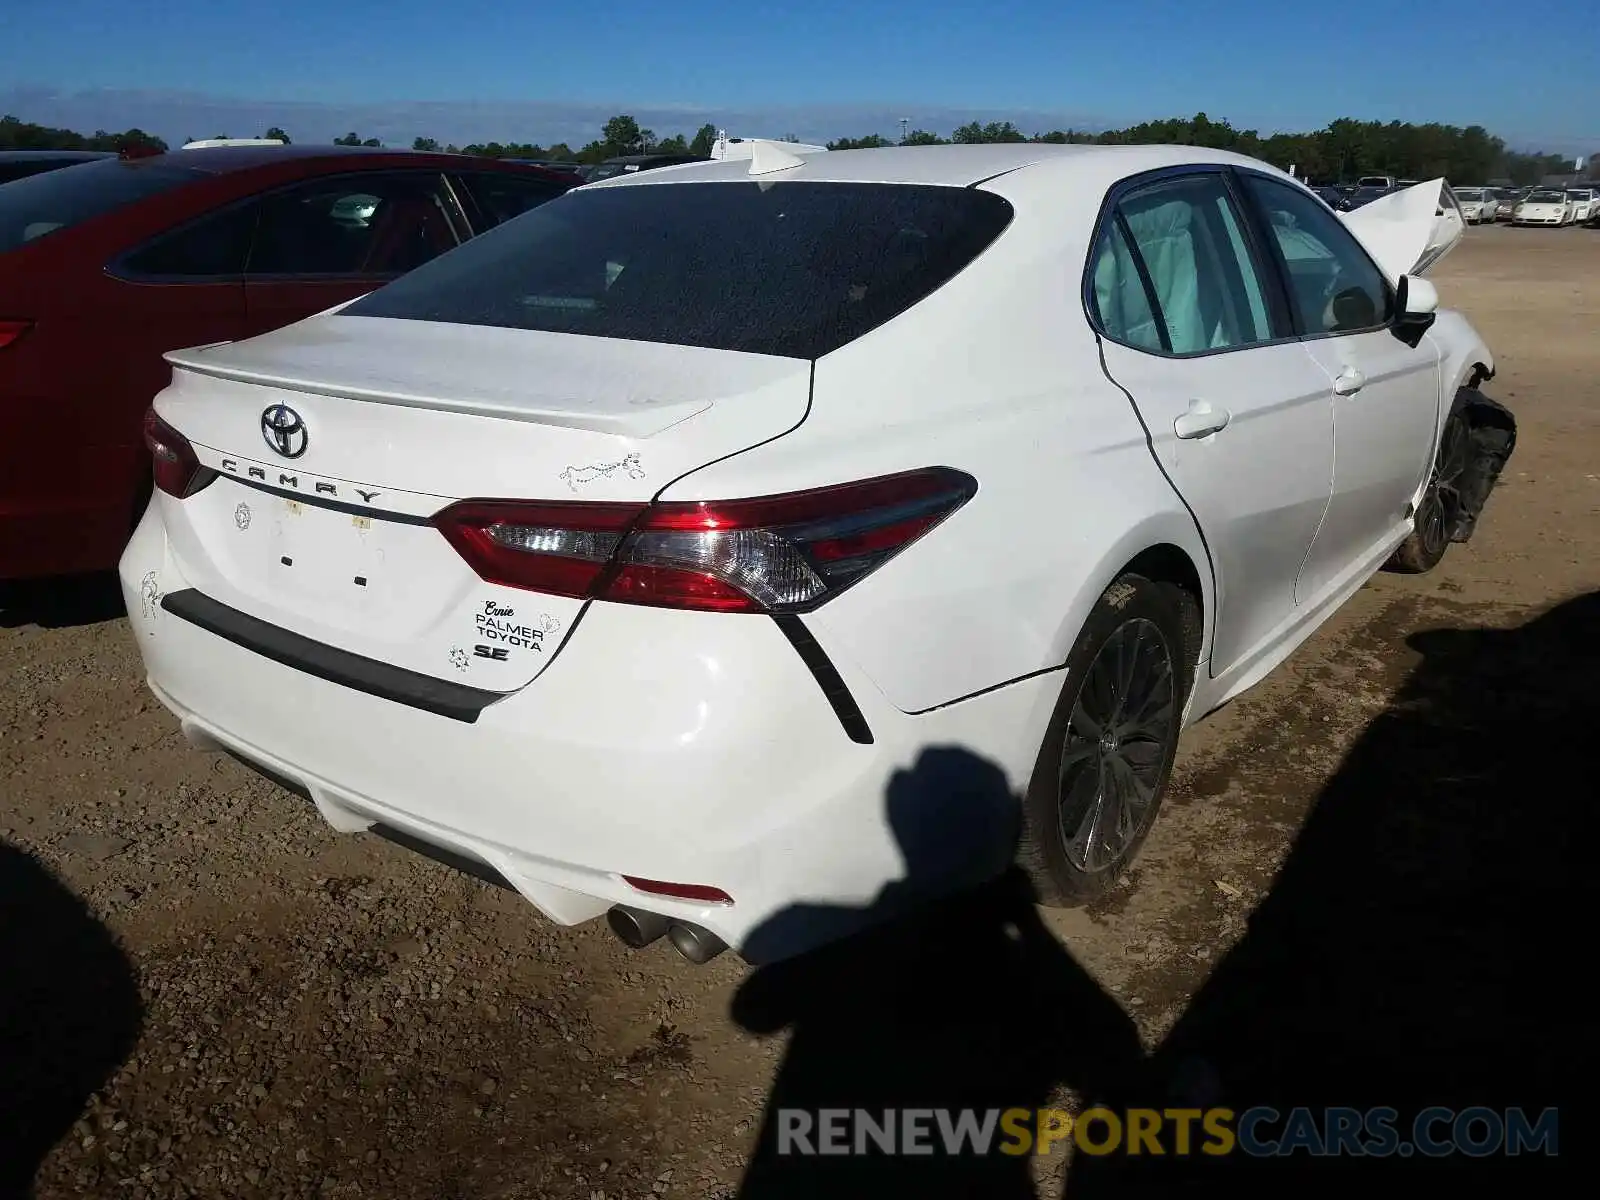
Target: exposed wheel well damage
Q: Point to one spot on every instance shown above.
(1493, 432)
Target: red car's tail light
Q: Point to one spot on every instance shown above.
(177, 471)
(10, 331)
(772, 554)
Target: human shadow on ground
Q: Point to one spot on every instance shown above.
(1422, 947)
(1423, 944)
(70, 1013)
(959, 999)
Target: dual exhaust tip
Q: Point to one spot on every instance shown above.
(637, 929)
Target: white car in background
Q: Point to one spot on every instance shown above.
(1584, 204)
(1478, 205)
(1543, 206)
(727, 548)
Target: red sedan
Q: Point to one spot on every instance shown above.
(106, 266)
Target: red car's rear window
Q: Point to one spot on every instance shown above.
(39, 205)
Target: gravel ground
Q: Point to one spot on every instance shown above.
(207, 993)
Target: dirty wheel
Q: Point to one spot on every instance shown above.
(1104, 765)
(1434, 524)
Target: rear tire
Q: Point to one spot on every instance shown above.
(1107, 756)
(1433, 525)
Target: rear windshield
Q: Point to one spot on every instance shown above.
(39, 205)
(790, 269)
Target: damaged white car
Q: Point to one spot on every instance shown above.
(741, 550)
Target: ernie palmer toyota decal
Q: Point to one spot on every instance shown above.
(498, 623)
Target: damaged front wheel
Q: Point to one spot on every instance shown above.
(1471, 454)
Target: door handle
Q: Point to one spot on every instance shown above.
(1348, 382)
(1200, 420)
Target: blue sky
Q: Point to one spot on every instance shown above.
(466, 70)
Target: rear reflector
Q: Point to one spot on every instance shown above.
(177, 471)
(679, 891)
(10, 331)
(772, 554)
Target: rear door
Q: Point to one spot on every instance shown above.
(1239, 415)
(324, 241)
(1386, 393)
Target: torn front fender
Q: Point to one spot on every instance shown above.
(1493, 434)
(1408, 231)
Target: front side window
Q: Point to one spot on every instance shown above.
(375, 223)
(790, 269)
(502, 196)
(1207, 290)
(1334, 285)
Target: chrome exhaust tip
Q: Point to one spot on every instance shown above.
(697, 945)
(634, 927)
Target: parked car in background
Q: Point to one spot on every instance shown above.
(106, 265)
(1584, 203)
(1478, 205)
(19, 164)
(651, 553)
(1509, 199)
(1365, 194)
(1383, 183)
(1543, 206)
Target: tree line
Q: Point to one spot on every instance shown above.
(1342, 151)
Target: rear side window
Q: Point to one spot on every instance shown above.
(500, 197)
(215, 246)
(790, 269)
(39, 205)
(1207, 292)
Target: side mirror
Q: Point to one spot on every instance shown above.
(1416, 306)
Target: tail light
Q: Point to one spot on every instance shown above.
(10, 331)
(772, 554)
(177, 471)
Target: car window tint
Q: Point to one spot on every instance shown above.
(1121, 302)
(1207, 288)
(501, 197)
(217, 245)
(1334, 285)
(792, 269)
(39, 205)
(370, 224)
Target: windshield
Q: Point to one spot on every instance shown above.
(1547, 197)
(1469, 193)
(38, 205)
(791, 269)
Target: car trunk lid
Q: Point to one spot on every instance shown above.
(338, 439)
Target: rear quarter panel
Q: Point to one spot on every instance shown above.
(996, 374)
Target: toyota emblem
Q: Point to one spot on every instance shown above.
(284, 430)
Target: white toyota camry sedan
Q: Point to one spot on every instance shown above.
(667, 551)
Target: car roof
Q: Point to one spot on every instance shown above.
(949, 166)
(55, 155)
(220, 160)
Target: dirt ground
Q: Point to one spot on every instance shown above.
(1358, 893)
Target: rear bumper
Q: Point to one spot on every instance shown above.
(685, 747)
